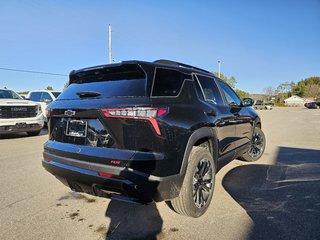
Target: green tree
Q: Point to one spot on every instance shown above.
(65, 85)
(49, 88)
(242, 94)
(300, 88)
(230, 80)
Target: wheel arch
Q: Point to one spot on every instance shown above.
(200, 137)
(257, 123)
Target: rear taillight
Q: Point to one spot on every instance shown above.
(148, 114)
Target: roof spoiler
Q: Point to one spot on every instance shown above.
(178, 64)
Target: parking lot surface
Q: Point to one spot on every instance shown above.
(277, 197)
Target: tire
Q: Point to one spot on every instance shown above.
(258, 144)
(198, 185)
(34, 133)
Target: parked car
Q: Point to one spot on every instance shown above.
(44, 97)
(269, 106)
(263, 106)
(312, 105)
(142, 132)
(19, 115)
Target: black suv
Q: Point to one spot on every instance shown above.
(140, 131)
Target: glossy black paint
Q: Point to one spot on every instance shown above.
(312, 105)
(153, 164)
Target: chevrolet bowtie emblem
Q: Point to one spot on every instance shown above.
(69, 113)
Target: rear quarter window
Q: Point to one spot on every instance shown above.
(168, 82)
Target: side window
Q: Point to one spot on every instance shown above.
(210, 90)
(44, 96)
(35, 96)
(231, 97)
(168, 82)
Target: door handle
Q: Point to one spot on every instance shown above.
(211, 113)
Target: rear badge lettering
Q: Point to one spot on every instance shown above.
(115, 162)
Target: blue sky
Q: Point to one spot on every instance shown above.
(260, 43)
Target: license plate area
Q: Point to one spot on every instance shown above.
(21, 125)
(76, 128)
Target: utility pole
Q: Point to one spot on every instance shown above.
(110, 44)
(219, 64)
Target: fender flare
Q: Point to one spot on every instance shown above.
(204, 132)
(257, 120)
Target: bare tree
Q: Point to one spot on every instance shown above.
(312, 91)
(269, 92)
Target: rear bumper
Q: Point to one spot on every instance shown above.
(123, 182)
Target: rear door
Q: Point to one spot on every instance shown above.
(219, 113)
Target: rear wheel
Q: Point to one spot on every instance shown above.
(258, 144)
(197, 188)
(34, 133)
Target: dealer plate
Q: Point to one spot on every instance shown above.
(76, 128)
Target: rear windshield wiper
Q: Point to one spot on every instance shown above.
(88, 94)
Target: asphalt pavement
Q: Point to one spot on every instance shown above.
(277, 197)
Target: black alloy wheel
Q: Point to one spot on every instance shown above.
(256, 150)
(202, 183)
(257, 145)
(198, 185)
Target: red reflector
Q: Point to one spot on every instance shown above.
(102, 174)
(109, 175)
(161, 112)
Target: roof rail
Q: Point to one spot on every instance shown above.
(178, 64)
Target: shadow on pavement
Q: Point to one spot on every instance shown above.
(283, 200)
(133, 221)
(44, 131)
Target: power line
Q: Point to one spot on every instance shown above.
(35, 72)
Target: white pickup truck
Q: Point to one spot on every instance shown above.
(43, 97)
(18, 115)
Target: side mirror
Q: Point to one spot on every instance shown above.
(246, 102)
(46, 100)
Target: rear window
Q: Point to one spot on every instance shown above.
(168, 82)
(121, 81)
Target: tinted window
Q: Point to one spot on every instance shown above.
(168, 82)
(56, 94)
(123, 81)
(210, 90)
(35, 96)
(9, 94)
(231, 97)
(44, 96)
